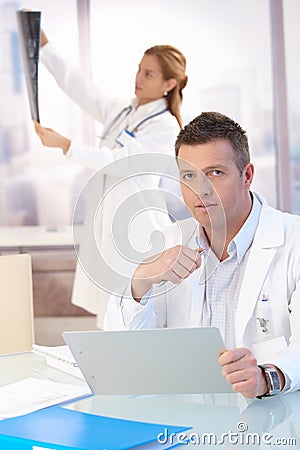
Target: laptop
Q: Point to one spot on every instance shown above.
(16, 320)
(152, 361)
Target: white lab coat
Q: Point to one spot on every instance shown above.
(273, 271)
(156, 136)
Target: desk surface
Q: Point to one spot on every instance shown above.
(231, 414)
(19, 366)
(20, 237)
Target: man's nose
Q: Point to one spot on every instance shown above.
(203, 186)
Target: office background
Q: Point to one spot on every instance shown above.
(229, 48)
(242, 60)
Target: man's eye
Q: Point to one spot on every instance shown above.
(217, 172)
(187, 176)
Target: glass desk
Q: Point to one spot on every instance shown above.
(19, 366)
(22, 238)
(217, 420)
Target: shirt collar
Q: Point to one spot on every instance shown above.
(202, 241)
(244, 238)
(151, 107)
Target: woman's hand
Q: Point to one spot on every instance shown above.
(51, 138)
(44, 39)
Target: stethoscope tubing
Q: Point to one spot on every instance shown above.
(127, 110)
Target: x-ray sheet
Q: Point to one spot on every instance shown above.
(29, 23)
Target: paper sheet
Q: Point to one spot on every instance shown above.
(33, 394)
(60, 357)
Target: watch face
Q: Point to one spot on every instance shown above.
(275, 381)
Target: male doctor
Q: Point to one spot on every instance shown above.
(236, 265)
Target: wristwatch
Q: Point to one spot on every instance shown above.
(273, 380)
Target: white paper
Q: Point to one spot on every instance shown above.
(33, 394)
(266, 350)
(59, 357)
(39, 448)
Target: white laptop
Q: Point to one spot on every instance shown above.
(155, 361)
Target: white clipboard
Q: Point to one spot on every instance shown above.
(152, 361)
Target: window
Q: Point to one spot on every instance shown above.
(291, 12)
(228, 50)
(38, 185)
(228, 64)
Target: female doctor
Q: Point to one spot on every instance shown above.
(149, 123)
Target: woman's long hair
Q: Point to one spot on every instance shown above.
(173, 65)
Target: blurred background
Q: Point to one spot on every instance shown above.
(242, 60)
(232, 67)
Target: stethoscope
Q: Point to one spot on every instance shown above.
(122, 115)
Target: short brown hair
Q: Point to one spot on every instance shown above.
(213, 126)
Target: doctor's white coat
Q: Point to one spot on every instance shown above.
(272, 272)
(112, 186)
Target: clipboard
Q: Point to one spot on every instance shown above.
(152, 361)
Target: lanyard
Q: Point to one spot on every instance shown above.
(125, 112)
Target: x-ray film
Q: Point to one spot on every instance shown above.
(29, 28)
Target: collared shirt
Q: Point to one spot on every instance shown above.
(223, 283)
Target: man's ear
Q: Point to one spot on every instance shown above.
(248, 174)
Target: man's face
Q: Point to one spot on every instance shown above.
(212, 187)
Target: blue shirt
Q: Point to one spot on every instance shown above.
(223, 281)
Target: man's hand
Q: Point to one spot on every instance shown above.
(175, 264)
(51, 138)
(240, 369)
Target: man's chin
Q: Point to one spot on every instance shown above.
(210, 222)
